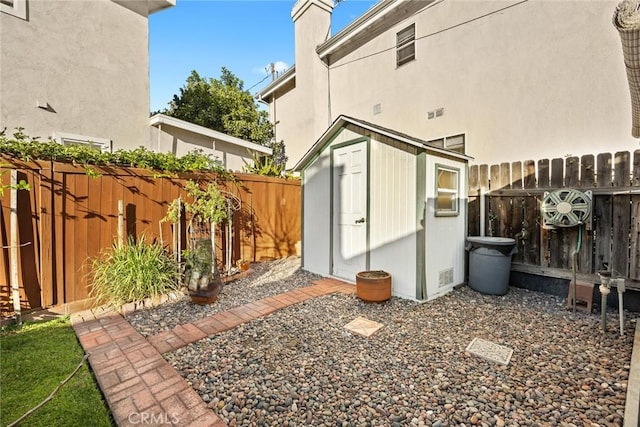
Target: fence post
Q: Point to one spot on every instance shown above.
(13, 251)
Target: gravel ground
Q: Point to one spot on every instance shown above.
(300, 367)
(268, 278)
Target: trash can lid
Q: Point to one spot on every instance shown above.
(491, 241)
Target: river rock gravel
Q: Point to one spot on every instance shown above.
(268, 278)
(300, 367)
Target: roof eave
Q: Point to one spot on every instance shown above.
(283, 79)
(342, 120)
(159, 119)
(158, 5)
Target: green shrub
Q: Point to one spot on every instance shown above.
(132, 272)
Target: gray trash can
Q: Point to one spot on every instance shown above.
(490, 263)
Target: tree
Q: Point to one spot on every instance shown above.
(223, 105)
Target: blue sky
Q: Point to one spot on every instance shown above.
(242, 35)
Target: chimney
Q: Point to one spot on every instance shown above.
(312, 23)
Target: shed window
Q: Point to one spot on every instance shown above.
(405, 45)
(14, 7)
(447, 191)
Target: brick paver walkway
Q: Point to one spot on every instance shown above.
(139, 385)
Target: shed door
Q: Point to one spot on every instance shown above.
(349, 210)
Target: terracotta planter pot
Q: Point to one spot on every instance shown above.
(206, 296)
(373, 286)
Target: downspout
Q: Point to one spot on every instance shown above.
(159, 135)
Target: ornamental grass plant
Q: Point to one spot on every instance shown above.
(132, 272)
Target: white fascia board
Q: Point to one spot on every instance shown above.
(201, 130)
(378, 11)
(401, 138)
(302, 5)
(285, 78)
(158, 5)
(340, 121)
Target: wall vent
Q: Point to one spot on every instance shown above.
(377, 109)
(431, 115)
(445, 277)
(439, 112)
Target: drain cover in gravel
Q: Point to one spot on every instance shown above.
(363, 326)
(490, 351)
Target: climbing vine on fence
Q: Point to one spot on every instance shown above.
(26, 148)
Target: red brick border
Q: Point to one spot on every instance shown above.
(139, 385)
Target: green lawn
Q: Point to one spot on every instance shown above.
(33, 361)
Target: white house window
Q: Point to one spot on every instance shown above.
(14, 7)
(454, 143)
(405, 45)
(447, 191)
(101, 144)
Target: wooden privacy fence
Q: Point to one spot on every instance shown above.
(513, 192)
(68, 217)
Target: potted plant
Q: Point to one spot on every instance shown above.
(373, 286)
(201, 277)
(207, 208)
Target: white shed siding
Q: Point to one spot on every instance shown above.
(445, 235)
(392, 221)
(316, 209)
(316, 216)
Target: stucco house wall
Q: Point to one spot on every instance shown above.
(171, 135)
(77, 67)
(521, 80)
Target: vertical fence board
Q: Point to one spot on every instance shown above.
(621, 169)
(635, 176)
(603, 170)
(602, 206)
(543, 173)
(47, 237)
(473, 207)
(529, 179)
(505, 175)
(620, 243)
(634, 262)
(79, 243)
(557, 173)
(531, 247)
(572, 172)
(516, 175)
(494, 177)
(587, 171)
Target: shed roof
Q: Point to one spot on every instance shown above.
(343, 120)
(159, 119)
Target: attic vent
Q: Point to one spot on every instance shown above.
(439, 112)
(431, 115)
(445, 277)
(377, 109)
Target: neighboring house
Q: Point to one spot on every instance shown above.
(500, 81)
(375, 199)
(176, 136)
(76, 70)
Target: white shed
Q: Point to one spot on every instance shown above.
(375, 199)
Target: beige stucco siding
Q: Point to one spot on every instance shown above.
(169, 139)
(537, 80)
(88, 60)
